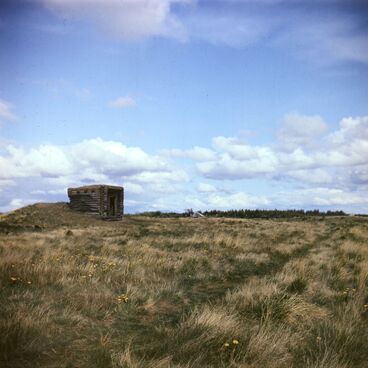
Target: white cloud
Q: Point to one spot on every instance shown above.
(126, 19)
(207, 200)
(309, 154)
(322, 197)
(6, 112)
(88, 159)
(295, 160)
(238, 30)
(46, 171)
(350, 129)
(228, 168)
(235, 147)
(161, 177)
(235, 200)
(235, 160)
(15, 203)
(317, 197)
(46, 161)
(330, 175)
(114, 158)
(122, 102)
(206, 188)
(150, 188)
(344, 37)
(133, 188)
(275, 23)
(299, 130)
(49, 192)
(196, 153)
(312, 176)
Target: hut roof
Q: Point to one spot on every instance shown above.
(96, 186)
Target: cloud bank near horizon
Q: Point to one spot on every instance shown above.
(322, 168)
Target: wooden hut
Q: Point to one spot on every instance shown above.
(106, 201)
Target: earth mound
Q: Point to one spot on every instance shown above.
(40, 216)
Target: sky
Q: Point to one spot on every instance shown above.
(203, 104)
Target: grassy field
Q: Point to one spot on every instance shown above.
(188, 293)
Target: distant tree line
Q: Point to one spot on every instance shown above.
(246, 213)
(271, 213)
(162, 214)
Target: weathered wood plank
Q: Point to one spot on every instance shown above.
(96, 199)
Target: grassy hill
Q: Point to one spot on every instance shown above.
(181, 293)
(44, 216)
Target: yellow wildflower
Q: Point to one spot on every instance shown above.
(226, 344)
(13, 278)
(235, 342)
(123, 298)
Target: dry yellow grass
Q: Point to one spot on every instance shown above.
(181, 293)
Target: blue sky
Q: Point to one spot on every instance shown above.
(203, 104)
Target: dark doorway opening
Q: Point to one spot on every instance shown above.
(112, 209)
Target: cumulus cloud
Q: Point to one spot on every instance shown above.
(313, 176)
(133, 188)
(329, 175)
(235, 200)
(236, 159)
(207, 200)
(227, 167)
(6, 113)
(196, 153)
(88, 159)
(306, 152)
(48, 192)
(153, 185)
(160, 177)
(322, 197)
(47, 170)
(206, 188)
(316, 197)
(299, 130)
(351, 129)
(122, 102)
